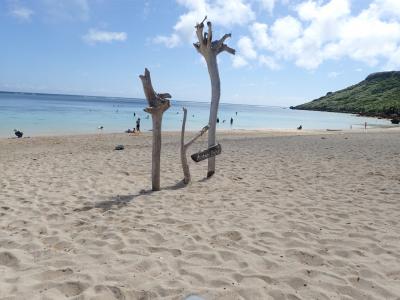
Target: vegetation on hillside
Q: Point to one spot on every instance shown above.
(377, 95)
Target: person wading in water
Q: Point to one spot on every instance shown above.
(138, 125)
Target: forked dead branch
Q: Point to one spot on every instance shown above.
(158, 104)
(209, 49)
(184, 147)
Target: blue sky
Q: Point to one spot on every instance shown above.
(288, 51)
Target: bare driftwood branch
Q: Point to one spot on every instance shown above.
(209, 50)
(184, 147)
(199, 134)
(222, 40)
(205, 44)
(199, 30)
(209, 34)
(227, 49)
(158, 103)
(155, 100)
(185, 165)
(164, 95)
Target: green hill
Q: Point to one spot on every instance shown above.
(378, 95)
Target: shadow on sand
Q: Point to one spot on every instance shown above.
(116, 202)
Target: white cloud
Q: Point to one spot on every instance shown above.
(259, 33)
(98, 36)
(365, 39)
(286, 29)
(315, 31)
(238, 61)
(325, 20)
(246, 48)
(269, 62)
(321, 24)
(169, 41)
(394, 60)
(386, 8)
(328, 31)
(223, 13)
(268, 5)
(247, 52)
(21, 13)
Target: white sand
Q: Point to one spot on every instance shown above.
(285, 217)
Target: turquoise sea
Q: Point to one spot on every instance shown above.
(47, 114)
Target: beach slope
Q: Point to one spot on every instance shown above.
(285, 217)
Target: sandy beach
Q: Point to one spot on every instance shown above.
(314, 215)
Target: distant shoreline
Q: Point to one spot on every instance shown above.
(133, 98)
(358, 114)
(283, 131)
(376, 96)
(221, 132)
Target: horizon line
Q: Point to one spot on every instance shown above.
(119, 97)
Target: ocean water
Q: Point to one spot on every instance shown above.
(41, 114)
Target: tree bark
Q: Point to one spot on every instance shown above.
(158, 104)
(156, 151)
(185, 165)
(209, 50)
(215, 96)
(184, 147)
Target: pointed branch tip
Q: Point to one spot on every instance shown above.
(201, 24)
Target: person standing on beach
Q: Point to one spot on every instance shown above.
(231, 121)
(138, 125)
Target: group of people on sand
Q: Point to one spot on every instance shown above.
(137, 129)
(133, 130)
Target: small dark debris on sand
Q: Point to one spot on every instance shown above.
(119, 147)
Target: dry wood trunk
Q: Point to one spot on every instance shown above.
(185, 165)
(157, 106)
(156, 151)
(209, 49)
(215, 97)
(184, 147)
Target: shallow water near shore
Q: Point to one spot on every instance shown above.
(45, 114)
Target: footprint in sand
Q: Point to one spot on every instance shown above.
(110, 290)
(52, 274)
(8, 259)
(231, 235)
(71, 288)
